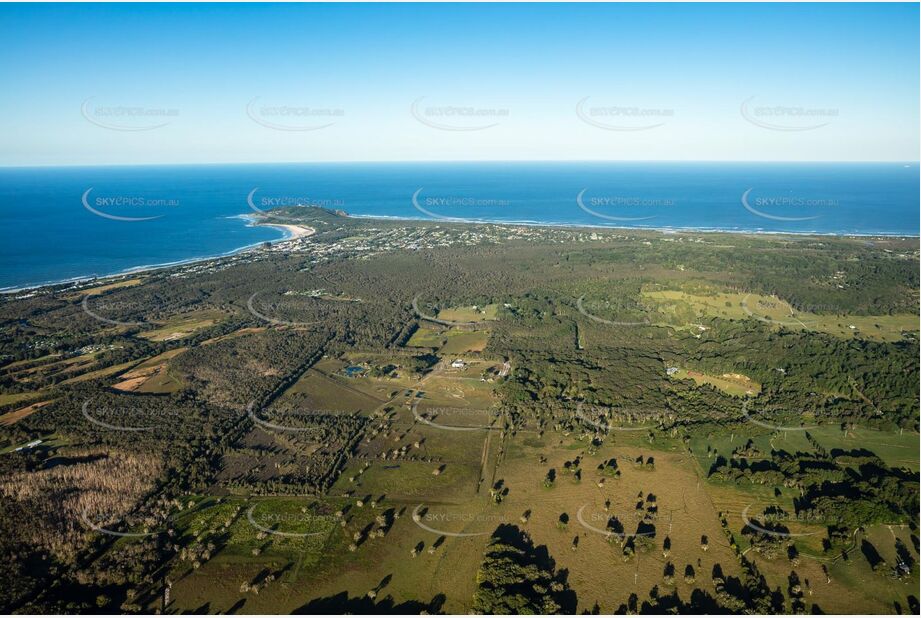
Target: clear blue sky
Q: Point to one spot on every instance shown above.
(65, 71)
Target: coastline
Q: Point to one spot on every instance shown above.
(289, 231)
(639, 228)
(295, 231)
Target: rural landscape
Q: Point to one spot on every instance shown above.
(393, 416)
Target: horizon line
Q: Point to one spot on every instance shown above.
(436, 161)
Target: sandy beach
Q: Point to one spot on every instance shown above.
(294, 231)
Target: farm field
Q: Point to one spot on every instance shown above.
(680, 308)
(452, 341)
(370, 459)
(182, 326)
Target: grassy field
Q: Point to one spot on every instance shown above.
(894, 448)
(682, 308)
(854, 587)
(152, 376)
(181, 326)
(734, 384)
(100, 373)
(48, 366)
(452, 341)
(16, 415)
(101, 289)
(438, 551)
(319, 390)
(7, 399)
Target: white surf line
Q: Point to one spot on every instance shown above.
(602, 320)
(765, 215)
(585, 208)
(433, 215)
(762, 530)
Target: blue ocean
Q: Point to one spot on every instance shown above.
(64, 223)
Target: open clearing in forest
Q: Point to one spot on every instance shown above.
(734, 384)
(683, 308)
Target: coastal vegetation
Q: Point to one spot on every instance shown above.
(502, 419)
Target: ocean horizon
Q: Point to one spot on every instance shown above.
(70, 223)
